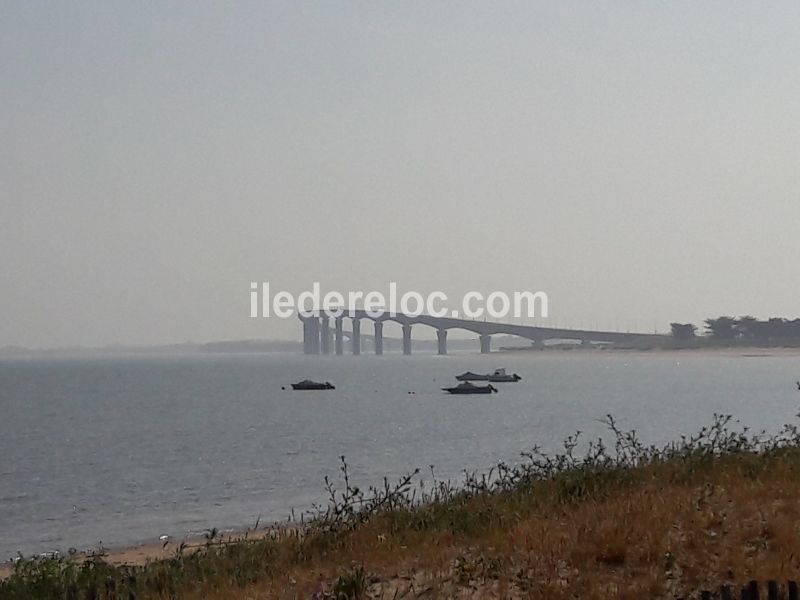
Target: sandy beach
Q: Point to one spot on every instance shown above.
(157, 550)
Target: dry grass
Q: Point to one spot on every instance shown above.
(662, 534)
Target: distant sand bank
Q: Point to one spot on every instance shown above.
(687, 352)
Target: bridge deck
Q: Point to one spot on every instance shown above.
(488, 328)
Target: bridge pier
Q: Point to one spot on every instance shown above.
(356, 337)
(311, 335)
(306, 336)
(338, 337)
(441, 337)
(406, 339)
(379, 337)
(486, 344)
(325, 334)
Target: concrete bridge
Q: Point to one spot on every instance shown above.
(320, 338)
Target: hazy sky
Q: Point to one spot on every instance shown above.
(637, 161)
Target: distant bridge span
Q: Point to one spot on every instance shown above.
(320, 337)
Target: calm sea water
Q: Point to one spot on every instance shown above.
(126, 449)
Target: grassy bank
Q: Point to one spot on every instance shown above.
(623, 520)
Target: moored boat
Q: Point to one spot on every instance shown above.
(470, 376)
(469, 388)
(500, 376)
(307, 384)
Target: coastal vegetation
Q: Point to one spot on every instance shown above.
(599, 519)
(746, 330)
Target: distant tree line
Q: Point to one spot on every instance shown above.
(741, 328)
(683, 331)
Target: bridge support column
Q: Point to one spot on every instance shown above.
(306, 336)
(407, 339)
(486, 344)
(378, 337)
(356, 338)
(325, 334)
(311, 335)
(441, 336)
(338, 341)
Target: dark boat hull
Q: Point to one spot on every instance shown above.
(504, 378)
(472, 377)
(477, 389)
(312, 386)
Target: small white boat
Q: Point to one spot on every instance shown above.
(500, 376)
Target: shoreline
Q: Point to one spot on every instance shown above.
(140, 554)
(688, 521)
(743, 351)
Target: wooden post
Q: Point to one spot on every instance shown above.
(793, 594)
(750, 591)
(772, 590)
